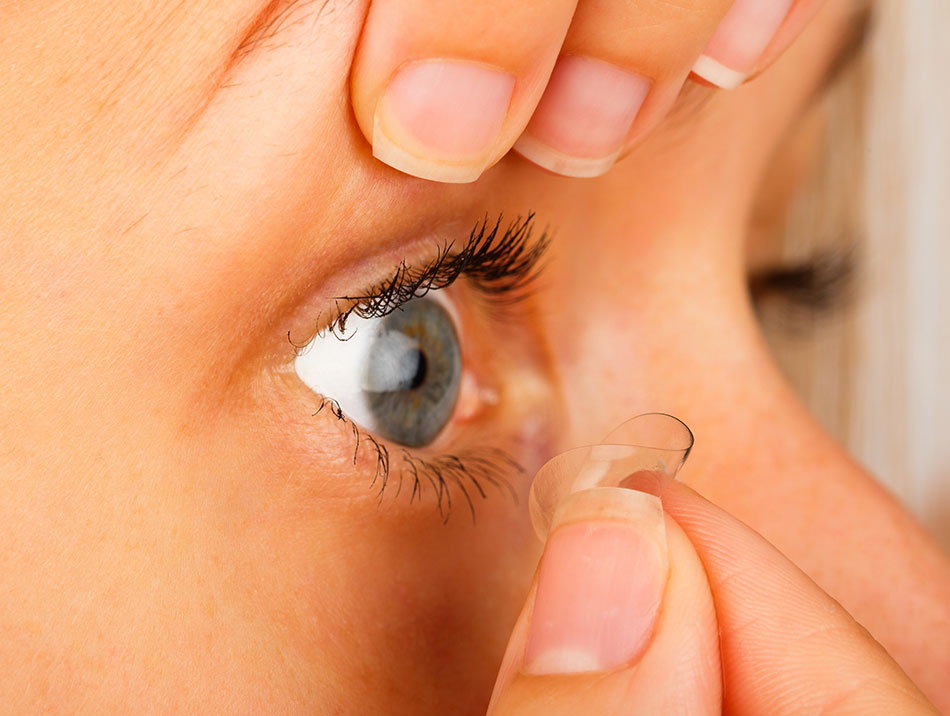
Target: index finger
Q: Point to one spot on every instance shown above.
(787, 647)
(750, 37)
(443, 88)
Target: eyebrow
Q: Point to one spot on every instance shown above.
(271, 20)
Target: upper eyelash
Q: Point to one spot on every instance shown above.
(815, 286)
(500, 267)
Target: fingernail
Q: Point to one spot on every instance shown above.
(439, 119)
(600, 583)
(583, 118)
(739, 41)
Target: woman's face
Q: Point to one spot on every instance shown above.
(184, 524)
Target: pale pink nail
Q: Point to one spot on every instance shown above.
(583, 118)
(600, 584)
(440, 119)
(739, 41)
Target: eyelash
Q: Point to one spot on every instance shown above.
(470, 469)
(501, 267)
(814, 287)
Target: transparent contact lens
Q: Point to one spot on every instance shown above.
(640, 454)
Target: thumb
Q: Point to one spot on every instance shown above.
(619, 620)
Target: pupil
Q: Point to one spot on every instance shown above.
(422, 367)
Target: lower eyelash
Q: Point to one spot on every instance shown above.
(469, 473)
(470, 470)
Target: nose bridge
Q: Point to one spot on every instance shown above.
(622, 343)
(673, 332)
(604, 382)
(677, 335)
(661, 345)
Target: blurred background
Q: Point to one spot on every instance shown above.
(877, 373)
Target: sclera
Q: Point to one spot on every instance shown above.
(641, 454)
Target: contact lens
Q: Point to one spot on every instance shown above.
(642, 453)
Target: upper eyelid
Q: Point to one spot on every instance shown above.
(502, 269)
(499, 268)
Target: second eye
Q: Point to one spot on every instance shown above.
(397, 376)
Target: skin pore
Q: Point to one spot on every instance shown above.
(181, 532)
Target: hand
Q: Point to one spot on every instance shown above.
(637, 611)
(443, 89)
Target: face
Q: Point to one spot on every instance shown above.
(206, 504)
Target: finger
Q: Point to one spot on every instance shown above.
(442, 88)
(751, 35)
(620, 619)
(802, 12)
(621, 68)
(787, 647)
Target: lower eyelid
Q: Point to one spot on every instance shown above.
(448, 480)
(323, 455)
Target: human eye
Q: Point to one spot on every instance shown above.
(392, 363)
(397, 376)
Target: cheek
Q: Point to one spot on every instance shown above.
(433, 606)
(399, 609)
(368, 604)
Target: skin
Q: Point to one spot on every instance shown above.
(180, 533)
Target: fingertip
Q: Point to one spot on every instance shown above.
(442, 90)
(674, 665)
(557, 162)
(440, 119)
(717, 74)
